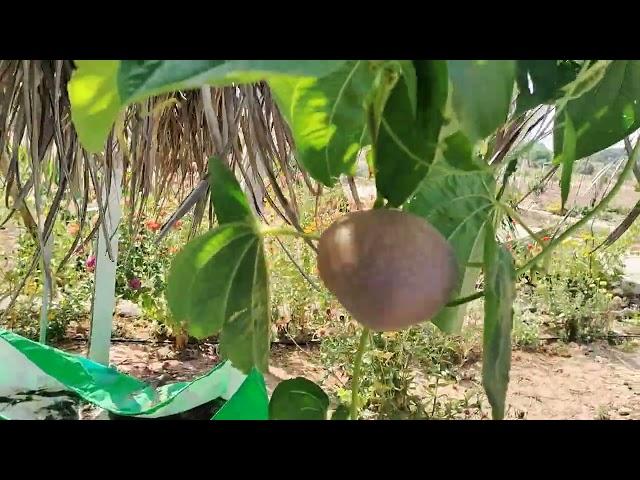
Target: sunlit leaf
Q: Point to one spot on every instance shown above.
(100, 88)
(95, 101)
(327, 117)
(139, 79)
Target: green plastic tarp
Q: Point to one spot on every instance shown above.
(27, 366)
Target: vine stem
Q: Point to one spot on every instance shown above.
(513, 214)
(288, 232)
(580, 223)
(468, 298)
(357, 365)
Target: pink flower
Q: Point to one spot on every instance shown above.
(135, 283)
(91, 263)
(153, 225)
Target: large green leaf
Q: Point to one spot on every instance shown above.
(298, 399)
(100, 88)
(95, 101)
(606, 113)
(406, 143)
(218, 283)
(457, 202)
(499, 295)
(482, 91)
(229, 201)
(541, 81)
(139, 79)
(327, 117)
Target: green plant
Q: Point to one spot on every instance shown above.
(140, 276)
(526, 329)
(71, 295)
(437, 150)
(401, 373)
(573, 293)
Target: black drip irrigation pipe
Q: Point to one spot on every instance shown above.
(603, 338)
(213, 342)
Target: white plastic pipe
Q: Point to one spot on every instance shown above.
(104, 299)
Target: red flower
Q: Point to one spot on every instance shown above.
(153, 225)
(135, 283)
(91, 263)
(529, 246)
(546, 238)
(177, 224)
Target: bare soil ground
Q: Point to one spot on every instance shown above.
(581, 195)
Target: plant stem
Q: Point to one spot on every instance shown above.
(357, 365)
(468, 298)
(569, 231)
(513, 214)
(289, 232)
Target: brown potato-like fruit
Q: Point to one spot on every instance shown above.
(388, 268)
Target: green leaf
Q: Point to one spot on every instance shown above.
(406, 144)
(327, 117)
(95, 102)
(587, 78)
(100, 88)
(567, 158)
(499, 295)
(411, 83)
(218, 283)
(547, 79)
(340, 413)
(140, 79)
(606, 113)
(229, 201)
(482, 91)
(457, 202)
(298, 399)
(459, 152)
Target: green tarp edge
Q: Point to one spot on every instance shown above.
(125, 395)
